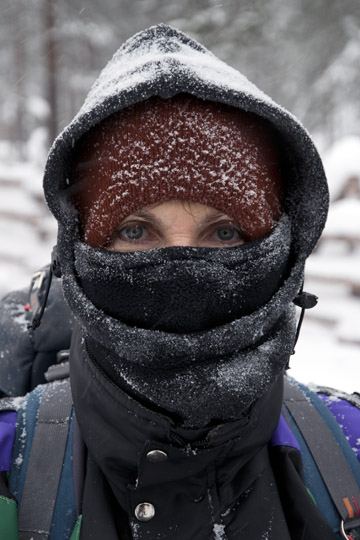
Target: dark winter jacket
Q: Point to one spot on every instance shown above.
(225, 484)
(220, 480)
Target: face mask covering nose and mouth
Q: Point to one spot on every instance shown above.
(184, 289)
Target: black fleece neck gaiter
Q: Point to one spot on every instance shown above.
(182, 289)
(226, 330)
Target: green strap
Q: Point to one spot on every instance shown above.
(77, 529)
(8, 519)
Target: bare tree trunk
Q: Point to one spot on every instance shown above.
(50, 54)
(20, 76)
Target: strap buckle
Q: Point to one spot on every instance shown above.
(37, 305)
(37, 282)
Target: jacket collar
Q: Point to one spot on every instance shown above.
(119, 431)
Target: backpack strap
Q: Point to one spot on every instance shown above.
(328, 454)
(46, 462)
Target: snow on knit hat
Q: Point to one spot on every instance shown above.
(182, 148)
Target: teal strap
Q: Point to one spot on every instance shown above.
(327, 454)
(45, 463)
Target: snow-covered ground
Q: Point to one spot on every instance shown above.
(27, 230)
(342, 162)
(328, 351)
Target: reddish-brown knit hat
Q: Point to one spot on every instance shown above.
(181, 148)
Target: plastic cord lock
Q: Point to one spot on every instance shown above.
(305, 300)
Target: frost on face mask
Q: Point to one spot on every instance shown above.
(230, 363)
(182, 289)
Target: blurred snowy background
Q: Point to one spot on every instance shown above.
(305, 54)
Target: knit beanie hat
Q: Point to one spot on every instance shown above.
(182, 148)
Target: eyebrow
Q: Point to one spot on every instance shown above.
(215, 217)
(143, 214)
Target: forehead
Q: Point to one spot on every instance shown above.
(177, 206)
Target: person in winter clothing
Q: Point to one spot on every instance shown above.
(187, 203)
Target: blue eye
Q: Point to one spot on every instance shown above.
(226, 233)
(133, 232)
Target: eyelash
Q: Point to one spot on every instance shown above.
(150, 230)
(133, 224)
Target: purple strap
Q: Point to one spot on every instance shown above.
(283, 436)
(348, 418)
(7, 438)
(346, 414)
